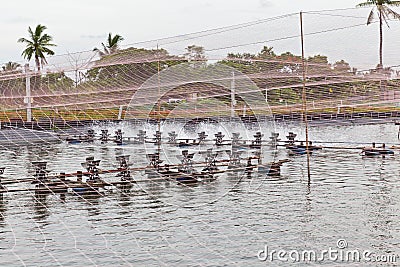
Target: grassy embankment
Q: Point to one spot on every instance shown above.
(112, 113)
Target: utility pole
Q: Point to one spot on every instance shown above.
(233, 100)
(304, 94)
(158, 102)
(28, 99)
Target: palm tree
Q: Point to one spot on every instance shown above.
(112, 45)
(11, 66)
(384, 13)
(38, 45)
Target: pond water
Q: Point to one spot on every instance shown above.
(221, 223)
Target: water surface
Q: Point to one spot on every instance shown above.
(222, 223)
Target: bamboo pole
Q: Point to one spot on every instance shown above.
(304, 95)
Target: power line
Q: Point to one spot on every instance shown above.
(218, 29)
(336, 15)
(287, 37)
(234, 28)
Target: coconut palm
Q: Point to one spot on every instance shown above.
(112, 45)
(37, 45)
(384, 13)
(11, 66)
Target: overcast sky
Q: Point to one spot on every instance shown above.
(79, 25)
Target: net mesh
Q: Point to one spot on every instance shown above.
(218, 79)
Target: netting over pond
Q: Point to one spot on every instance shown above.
(169, 152)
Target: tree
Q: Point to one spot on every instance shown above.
(288, 56)
(342, 66)
(112, 45)
(318, 64)
(138, 62)
(38, 45)
(267, 53)
(11, 66)
(318, 59)
(196, 55)
(242, 62)
(195, 52)
(384, 13)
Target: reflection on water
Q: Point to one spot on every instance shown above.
(124, 198)
(2, 210)
(91, 201)
(40, 206)
(224, 222)
(380, 216)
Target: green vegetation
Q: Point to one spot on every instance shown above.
(111, 46)
(281, 75)
(11, 67)
(142, 65)
(37, 45)
(54, 81)
(111, 81)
